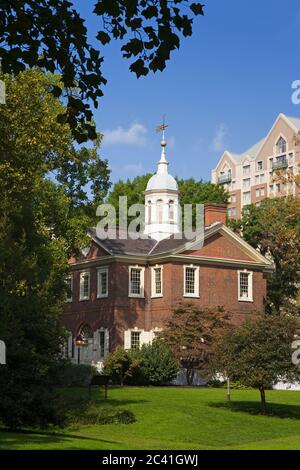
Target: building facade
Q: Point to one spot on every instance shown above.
(123, 290)
(249, 177)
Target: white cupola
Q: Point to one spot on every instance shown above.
(162, 201)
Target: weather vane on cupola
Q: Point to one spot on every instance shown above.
(162, 128)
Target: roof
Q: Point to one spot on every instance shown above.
(148, 247)
(161, 181)
(253, 151)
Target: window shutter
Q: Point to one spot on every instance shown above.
(106, 347)
(127, 339)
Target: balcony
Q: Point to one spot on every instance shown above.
(225, 179)
(280, 164)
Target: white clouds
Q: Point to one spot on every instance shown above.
(134, 135)
(218, 143)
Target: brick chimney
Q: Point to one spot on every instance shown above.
(215, 213)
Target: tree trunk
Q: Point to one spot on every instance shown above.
(263, 400)
(190, 373)
(228, 390)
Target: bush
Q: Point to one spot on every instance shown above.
(121, 366)
(74, 375)
(108, 416)
(157, 365)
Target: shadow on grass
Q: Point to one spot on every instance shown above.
(254, 408)
(17, 437)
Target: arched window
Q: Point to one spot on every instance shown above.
(171, 211)
(149, 212)
(85, 335)
(160, 211)
(281, 146)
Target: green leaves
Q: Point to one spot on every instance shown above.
(52, 35)
(103, 37)
(197, 9)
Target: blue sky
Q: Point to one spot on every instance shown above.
(222, 90)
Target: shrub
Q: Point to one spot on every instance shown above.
(121, 365)
(158, 365)
(74, 375)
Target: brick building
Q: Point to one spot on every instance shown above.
(249, 176)
(124, 290)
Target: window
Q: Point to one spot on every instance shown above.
(102, 343)
(247, 198)
(171, 211)
(102, 282)
(70, 288)
(157, 281)
(232, 212)
(278, 188)
(160, 211)
(135, 340)
(84, 286)
(247, 183)
(136, 282)
(260, 192)
(259, 179)
(246, 170)
(245, 279)
(271, 188)
(191, 281)
(233, 199)
(281, 146)
(260, 166)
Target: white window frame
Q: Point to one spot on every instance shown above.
(69, 298)
(99, 284)
(142, 283)
(250, 286)
(196, 294)
(81, 296)
(260, 165)
(154, 295)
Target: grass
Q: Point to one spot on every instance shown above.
(178, 418)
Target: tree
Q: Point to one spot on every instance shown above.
(157, 363)
(40, 226)
(274, 229)
(52, 36)
(191, 333)
(121, 365)
(258, 354)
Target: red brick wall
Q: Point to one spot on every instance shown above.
(219, 247)
(118, 312)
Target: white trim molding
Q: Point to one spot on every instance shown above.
(141, 294)
(196, 293)
(100, 293)
(69, 298)
(83, 297)
(154, 294)
(245, 297)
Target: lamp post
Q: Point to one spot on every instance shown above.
(81, 342)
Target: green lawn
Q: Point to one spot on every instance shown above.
(180, 418)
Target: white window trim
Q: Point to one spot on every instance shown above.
(99, 287)
(69, 299)
(153, 293)
(142, 283)
(196, 295)
(83, 298)
(250, 296)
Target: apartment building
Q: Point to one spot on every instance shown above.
(249, 176)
